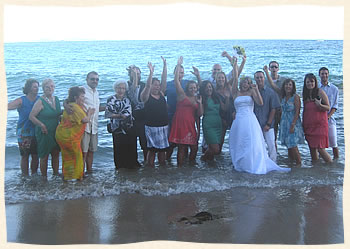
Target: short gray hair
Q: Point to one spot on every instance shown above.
(47, 81)
(120, 81)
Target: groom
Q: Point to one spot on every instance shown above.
(266, 113)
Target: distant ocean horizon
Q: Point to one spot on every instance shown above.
(68, 62)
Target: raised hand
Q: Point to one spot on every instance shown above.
(225, 54)
(151, 67)
(180, 60)
(266, 69)
(164, 60)
(195, 71)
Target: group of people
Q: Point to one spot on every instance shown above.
(164, 115)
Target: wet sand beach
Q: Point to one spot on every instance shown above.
(307, 215)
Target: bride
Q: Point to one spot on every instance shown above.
(246, 141)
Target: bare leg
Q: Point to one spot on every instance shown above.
(324, 154)
(151, 155)
(335, 153)
(34, 164)
(169, 152)
(55, 161)
(24, 164)
(290, 154)
(145, 153)
(161, 157)
(89, 160)
(314, 155)
(43, 165)
(296, 155)
(193, 152)
(181, 154)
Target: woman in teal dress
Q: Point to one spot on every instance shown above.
(290, 129)
(211, 122)
(45, 116)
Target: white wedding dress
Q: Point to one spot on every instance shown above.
(247, 144)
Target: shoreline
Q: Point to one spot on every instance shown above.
(240, 216)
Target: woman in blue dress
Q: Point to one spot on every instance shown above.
(25, 129)
(290, 129)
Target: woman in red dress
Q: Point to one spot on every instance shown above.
(188, 109)
(315, 119)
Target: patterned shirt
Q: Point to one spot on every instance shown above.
(119, 106)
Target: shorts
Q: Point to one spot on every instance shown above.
(89, 142)
(332, 136)
(27, 146)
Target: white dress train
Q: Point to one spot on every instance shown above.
(246, 141)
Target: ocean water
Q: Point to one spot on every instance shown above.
(67, 63)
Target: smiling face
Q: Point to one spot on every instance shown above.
(260, 79)
(288, 87)
(34, 88)
(310, 83)
(48, 88)
(244, 85)
(324, 74)
(220, 79)
(208, 89)
(155, 87)
(80, 99)
(191, 89)
(120, 90)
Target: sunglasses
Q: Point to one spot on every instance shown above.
(274, 67)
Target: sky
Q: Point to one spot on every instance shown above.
(172, 22)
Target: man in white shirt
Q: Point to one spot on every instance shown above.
(90, 137)
(332, 93)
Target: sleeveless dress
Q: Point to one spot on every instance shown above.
(211, 122)
(183, 129)
(246, 141)
(315, 124)
(68, 135)
(25, 128)
(50, 118)
(288, 111)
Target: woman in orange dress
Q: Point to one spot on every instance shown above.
(69, 133)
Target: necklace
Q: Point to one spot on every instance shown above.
(49, 100)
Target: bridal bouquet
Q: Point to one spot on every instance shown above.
(238, 51)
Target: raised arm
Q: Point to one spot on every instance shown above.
(244, 59)
(196, 73)
(256, 95)
(15, 104)
(164, 76)
(272, 84)
(147, 90)
(38, 106)
(234, 76)
(179, 91)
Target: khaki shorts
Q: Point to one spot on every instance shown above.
(89, 142)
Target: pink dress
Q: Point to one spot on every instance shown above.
(315, 124)
(183, 128)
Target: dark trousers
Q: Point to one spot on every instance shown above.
(125, 150)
